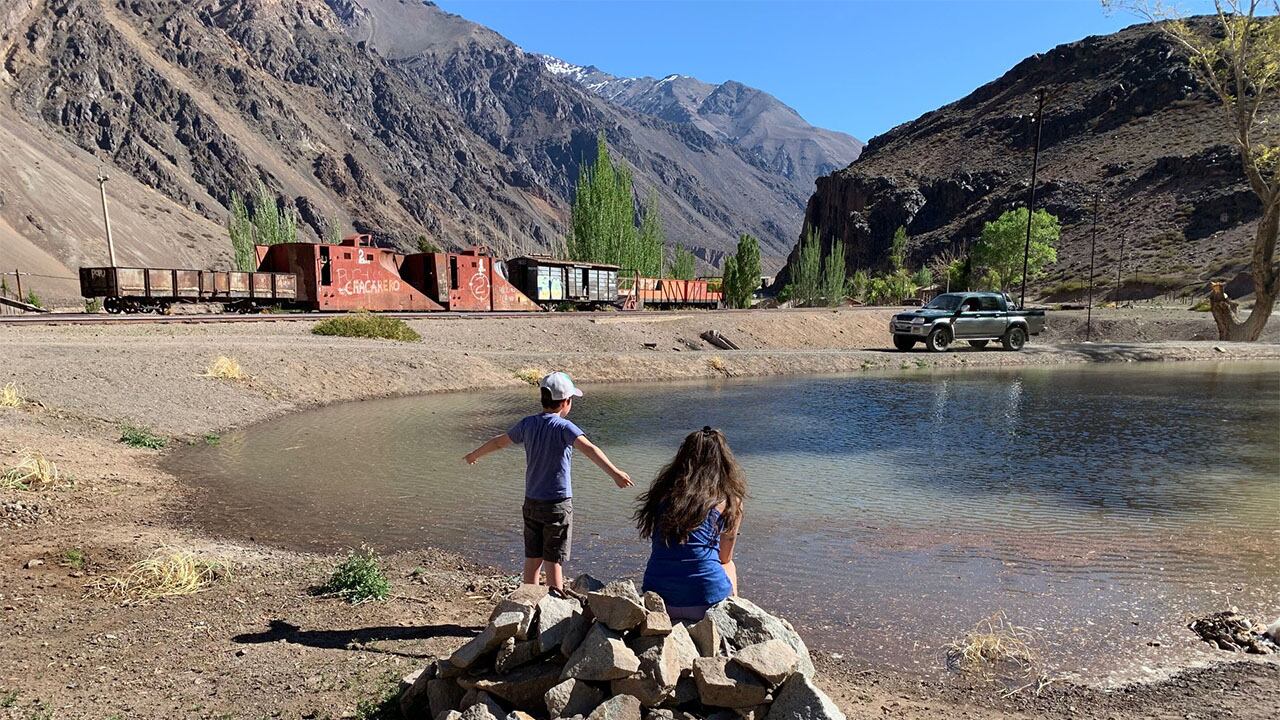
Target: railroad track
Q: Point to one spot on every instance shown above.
(56, 318)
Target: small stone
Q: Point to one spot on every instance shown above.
(572, 697)
(601, 657)
(524, 601)
(617, 605)
(504, 626)
(34, 563)
(585, 583)
(519, 715)
(773, 660)
(706, 637)
(653, 602)
(800, 699)
(618, 707)
(655, 623)
(451, 715)
(742, 623)
(413, 693)
(515, 653)
(686, 692)
(446, 669)
(481, 711)
(752, 713)
(727, 685)
(643, 686)
(553, 620)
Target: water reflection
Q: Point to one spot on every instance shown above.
(892, 510)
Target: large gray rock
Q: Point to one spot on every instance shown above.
(501, 627)
(727, 685)
(484, 709)
(800, 699)
(655, 623)
(601, 657)
(643, 686)
(525, 688)
(413, 693)
(443, 695)
(524, 601)
(552, 621)
(585, 583)
(617, 605)
(662, 661)
(772, 660)
(706, 637)
(741, 622)
(618, 707)
(572, 697)
(686, 692)
(653, 602)
(576, 632)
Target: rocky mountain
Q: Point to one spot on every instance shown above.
(384, 116)
(1124, 118)
(773, 135)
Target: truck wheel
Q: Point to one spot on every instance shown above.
(903, 343)
(979, 344)
(939, 339)
(1014, 339)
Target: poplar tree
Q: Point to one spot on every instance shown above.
(742, 273)
(806, 272)
(683, 264)
(833, 275)
(603, 225)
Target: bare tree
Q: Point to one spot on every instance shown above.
(1240, 64)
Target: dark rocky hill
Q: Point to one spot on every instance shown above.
(773, 135)
(389, 116)
(1125, 117)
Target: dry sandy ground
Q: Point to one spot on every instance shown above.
(259, 645)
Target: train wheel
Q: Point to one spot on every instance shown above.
(112, 306)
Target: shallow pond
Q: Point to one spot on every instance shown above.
(1100, 506)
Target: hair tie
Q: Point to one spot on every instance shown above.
(706, 430)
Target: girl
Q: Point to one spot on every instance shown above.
(692, 513)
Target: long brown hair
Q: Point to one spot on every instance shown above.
(702, 475)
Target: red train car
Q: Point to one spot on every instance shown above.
(353, 275)
(642, 292)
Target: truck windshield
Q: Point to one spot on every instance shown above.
(945, 302)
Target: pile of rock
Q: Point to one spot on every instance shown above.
(1236, 633)
(620, 658)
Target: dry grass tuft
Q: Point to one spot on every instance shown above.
(530, 375)
(167, 573)
(995, 647)
(225, 368)
(33, 472)
(715, 362)
(10, 397)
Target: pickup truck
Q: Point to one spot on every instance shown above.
(975, 317)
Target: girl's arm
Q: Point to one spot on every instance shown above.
(728, 539)
(497, 442)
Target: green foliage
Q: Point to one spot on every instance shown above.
(367, 325)
(269, 224)
(73, 558)
(806, 271)
(858, 285)
(1000, 248)
(334, 236)
(4, 287)
(898, 249)
(742, 273)
(833, 275)
(138, 437)
(603, 225)
(683, 264)
(93, 305)
(922, 277)
(212, 439)
(891, 289)
(426, 246)
(358, 579)
(34, 300)
(1202, 306)
(653, 236)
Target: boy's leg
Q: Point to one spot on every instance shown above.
(555, 575)
(531, 568)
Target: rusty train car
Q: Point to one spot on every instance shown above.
(356, 275)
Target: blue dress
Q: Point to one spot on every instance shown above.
(689, 574)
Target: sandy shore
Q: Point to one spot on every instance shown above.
(259, 645)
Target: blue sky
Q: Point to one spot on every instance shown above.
(858, 66)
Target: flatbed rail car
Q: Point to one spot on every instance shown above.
(549, 281)
(134, 290)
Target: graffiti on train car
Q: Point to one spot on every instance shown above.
(357, 281)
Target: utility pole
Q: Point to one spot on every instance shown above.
(1093, 243)
(1120, 268)
(1038, 119)
(106, 218)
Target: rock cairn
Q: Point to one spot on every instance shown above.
(620, 657)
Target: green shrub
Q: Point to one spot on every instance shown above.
(1202, 306)
(137, 437)
(367, 325)
(73, 558)
(34, 300)
(93, 305)
(358, 579)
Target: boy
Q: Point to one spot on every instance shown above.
(549, 440)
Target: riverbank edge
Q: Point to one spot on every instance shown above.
(169, 495)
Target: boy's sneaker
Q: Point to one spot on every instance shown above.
(567, 594)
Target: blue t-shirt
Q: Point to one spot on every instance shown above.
(548, 451)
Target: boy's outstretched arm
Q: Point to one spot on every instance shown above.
(497, 442)
(597, 456)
